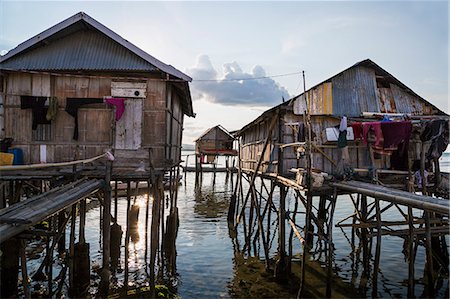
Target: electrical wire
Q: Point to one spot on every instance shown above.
(245, 79)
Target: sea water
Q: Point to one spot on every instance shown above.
(205, 265)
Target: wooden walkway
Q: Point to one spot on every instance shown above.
(19, 217)
(422, 202)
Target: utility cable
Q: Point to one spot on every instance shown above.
(244, 79)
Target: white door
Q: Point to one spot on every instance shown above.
(129, 127)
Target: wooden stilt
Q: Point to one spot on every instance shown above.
(147, 206)
(411, 254)
(23, 264)
(155, 232)
(62, 240)
(429, 256)
(330, 245)
(280, 269)
(127, 233)
(377, 251)
(115, 201)
(72, 245)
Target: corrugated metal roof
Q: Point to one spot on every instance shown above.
(82, 50)
(354, 92)
(359, 92)
(84, 21)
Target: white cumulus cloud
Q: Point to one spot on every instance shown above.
(235, 87)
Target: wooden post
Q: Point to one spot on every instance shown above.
(411, 255)
(260, 160)
(429, 257)
(330, 244)
(422, 170)
(105, 277)
(127, 233)
(280, 269)
(115, 201)
(62, 240)
(23, 264)
(155, 232)
(72, 245)
(377, 251)
(364, 234)
(82, 221)
(147, 206)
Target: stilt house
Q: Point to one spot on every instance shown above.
(365, 94)
(215, 141)
(78, 89)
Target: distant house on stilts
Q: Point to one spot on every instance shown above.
(215, 142)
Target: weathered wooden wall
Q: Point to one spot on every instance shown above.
(253, 138)
(154, 121)
(252, 144)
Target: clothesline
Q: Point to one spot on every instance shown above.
(46, 165)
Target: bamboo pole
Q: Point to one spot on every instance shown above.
(261, 158)
(47, 165)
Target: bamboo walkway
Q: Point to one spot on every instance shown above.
(19, 217)
(423, 202)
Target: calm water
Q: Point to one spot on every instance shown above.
(205, 250)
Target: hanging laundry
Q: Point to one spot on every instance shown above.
(38, 109)
(72, 106)
(357, 130)
(437, 132)
(373, 128)
(342, 139)
(119, 104)
(52, 109)
(396, 135)
(301, 132)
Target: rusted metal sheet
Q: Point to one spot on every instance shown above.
(386, 101)
(407, 103)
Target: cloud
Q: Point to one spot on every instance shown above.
(235, 87)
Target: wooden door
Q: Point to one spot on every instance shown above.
(129, 127)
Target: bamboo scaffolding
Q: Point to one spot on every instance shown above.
(422, 202)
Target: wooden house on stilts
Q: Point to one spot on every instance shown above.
(359, 132)
(70, 97)
(365, 94)
(214, 143)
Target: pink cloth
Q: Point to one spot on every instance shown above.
(119, 104)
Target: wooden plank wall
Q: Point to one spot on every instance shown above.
(95, 135)
(2, 108)
(357, 151)
(252, 143)
(174, 124)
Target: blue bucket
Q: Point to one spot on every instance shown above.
(18, 155)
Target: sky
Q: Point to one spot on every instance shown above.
(215, 41)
